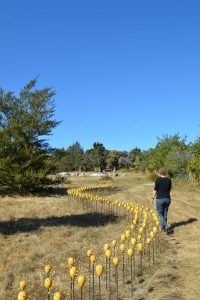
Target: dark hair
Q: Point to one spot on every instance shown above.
(161, 171)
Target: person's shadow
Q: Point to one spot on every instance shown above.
(171, 228)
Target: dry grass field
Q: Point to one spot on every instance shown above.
(35, 231)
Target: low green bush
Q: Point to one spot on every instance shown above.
(106, 178)
(152, 176)
(124, 170)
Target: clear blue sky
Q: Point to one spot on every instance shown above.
(125, 72)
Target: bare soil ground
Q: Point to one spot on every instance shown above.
(35, 231)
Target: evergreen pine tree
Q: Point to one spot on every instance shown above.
(25, 123)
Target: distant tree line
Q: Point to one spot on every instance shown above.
(27, 160)
(98, 158)
(180, 159)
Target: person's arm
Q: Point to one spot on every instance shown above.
(153, 195)
(154, 191)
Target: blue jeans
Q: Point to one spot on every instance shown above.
(162, 206)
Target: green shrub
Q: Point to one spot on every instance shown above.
(106, 178)
(136, 169)
(152, 176)
(124, 170)
(67, 181)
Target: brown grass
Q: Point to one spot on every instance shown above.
(36, 231)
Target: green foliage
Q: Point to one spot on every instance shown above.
(74, 158)
(125, 162)
(106, 178)
(172, 153)
(70, 159)
(67, 181)
(99, 156)
(74, 155)
(194, 164)
(194, 168)
(136, 156)
(113, 160)
(136, 169)
(88, 161)
(196, 147)
(152, 176)
(24, 153)
(125, 170)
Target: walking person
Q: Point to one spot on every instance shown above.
(161, 192)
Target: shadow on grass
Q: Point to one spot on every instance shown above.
(32, 224)
(52, 191)
(181, 223)
(114, 189)
(40, 192)
(63, 191)
(111, 190)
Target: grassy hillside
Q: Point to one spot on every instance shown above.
(36, 231)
